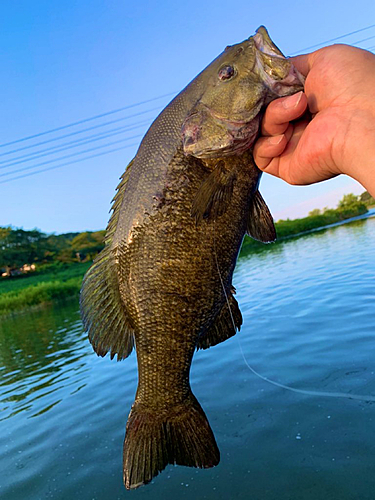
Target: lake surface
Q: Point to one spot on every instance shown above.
(309, 323)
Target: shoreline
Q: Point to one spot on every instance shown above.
(50, 291)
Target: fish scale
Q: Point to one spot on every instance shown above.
(164, 279)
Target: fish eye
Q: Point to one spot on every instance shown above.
(226, 73)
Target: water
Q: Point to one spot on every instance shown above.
(309, 323)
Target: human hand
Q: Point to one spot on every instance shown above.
(333, 122)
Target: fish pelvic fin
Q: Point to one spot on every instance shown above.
(178, 435)
(260, 224)
(214, 194)
(103, 313)
(222, 328)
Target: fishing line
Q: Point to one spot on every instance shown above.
(307, 392)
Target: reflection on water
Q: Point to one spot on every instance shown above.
(38, 353)
(308, 315)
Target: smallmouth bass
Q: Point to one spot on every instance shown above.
(163, 282)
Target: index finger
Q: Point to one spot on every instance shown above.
(281, 111)
(303, 62)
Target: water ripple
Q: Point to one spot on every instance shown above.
(308, 323)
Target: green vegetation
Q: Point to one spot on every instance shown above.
(367, 199)
(52, 283)
(349, 206)
(40, 293)
(59, 262)
(20, 249)
(54, 272)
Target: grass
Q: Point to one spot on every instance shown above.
(60, 273)
(52, 283)
(40, 293)
(296, 227)
(60, 280)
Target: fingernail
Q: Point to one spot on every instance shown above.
(275, 140)
(292, 101)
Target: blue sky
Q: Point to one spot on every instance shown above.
(62, 62)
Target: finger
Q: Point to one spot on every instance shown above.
(303, 62)
(281, 111)
(286, 165)
(267, 148)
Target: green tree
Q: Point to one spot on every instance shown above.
(87, 245)
(316, 211)
(367, 199)
(19, 247)
(350, 206)
(348, 201)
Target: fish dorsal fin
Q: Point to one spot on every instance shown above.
(103, 312)
(214, 194)
(222, 328)
(116, 203)
(260, 224)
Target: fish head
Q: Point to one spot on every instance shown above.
(236, 87)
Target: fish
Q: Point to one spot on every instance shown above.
(163, 282)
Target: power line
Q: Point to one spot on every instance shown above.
(85, 120)
(364, 40)
(68, 163)
(69, 156)
(111, 122)
(334, 39)
(101, 135)
(71, 144)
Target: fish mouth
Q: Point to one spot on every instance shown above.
(264, 44)
(277, 71)
(208, 134)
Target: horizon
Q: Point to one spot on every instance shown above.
(307, 203)
(66, 66)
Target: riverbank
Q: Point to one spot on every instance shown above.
(51, 284)
(286, 229)
(56, 282)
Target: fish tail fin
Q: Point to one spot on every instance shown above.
(180, 435)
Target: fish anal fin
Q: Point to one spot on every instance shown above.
(214, 194)
(103, 313)
(223, 327)
(260, 224)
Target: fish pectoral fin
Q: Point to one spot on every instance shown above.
(214, 194)
(223, 327)
(260, 224)
(103, 313)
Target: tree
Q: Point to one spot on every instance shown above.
(348, 201)
(314, 212)
(350, 206)
(367, 199)
(19, 247)
(88, 244)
